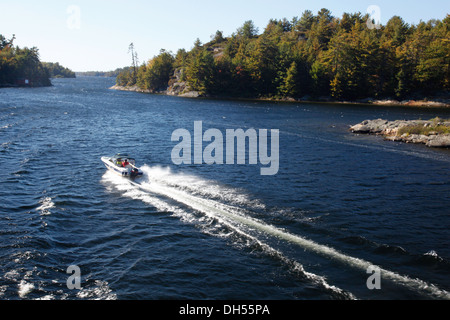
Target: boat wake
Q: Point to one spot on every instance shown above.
(231, 209)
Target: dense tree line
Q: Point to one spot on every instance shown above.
(21, 66)
(58, 71)
(113, 73)
(315, 55)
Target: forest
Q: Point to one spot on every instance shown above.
(21, 66)
(113, 73)
(316, 55)
(58, 71)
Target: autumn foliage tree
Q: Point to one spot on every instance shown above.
(155, 75)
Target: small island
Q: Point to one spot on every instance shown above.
(433, 133)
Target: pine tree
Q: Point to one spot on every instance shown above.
(200, 73)
(289, 87)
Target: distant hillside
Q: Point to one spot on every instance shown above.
(114, 73)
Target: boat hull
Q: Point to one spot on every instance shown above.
(123, 172)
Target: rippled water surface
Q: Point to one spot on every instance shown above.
(339, 203)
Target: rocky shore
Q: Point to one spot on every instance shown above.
(413, 103)
(130, 88)
(433, 133)
(178, 86)
(186, 94)
(180, 89)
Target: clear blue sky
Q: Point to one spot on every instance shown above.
(96, 34)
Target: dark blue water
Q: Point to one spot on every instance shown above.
(339, 203)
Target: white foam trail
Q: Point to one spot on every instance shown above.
(101, 291)
(297, 267)
(202, 187)
(25, 288)
(232, 217)
(123, 185)
(137, 193)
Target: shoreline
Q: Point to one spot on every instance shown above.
(32, 85)
(433, 133)
(436, 103)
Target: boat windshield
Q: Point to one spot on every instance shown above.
(121, 156)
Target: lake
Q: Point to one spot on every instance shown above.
(345, 217)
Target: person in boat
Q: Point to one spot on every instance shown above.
(125, 163)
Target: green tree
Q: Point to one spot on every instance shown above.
(396, 31)
(124, 76)
(19, 65)
(201, 71)
(58, 71)
(223, 80)
(289, 86)
(305, 22)
(248, 30)
(317, 55)
(433, 67)
(156, 74)
(218, 37)
(320, 77)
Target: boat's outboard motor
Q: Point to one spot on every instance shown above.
(134, 173)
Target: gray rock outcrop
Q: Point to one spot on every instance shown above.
(399, 130)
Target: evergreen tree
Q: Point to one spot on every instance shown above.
(248, 30)
(289, 87)
(156, 74)
(318, 55)
(21, 66)
(201, 71)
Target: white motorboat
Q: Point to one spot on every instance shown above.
(123, 165)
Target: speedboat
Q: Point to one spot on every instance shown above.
(123, 165)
